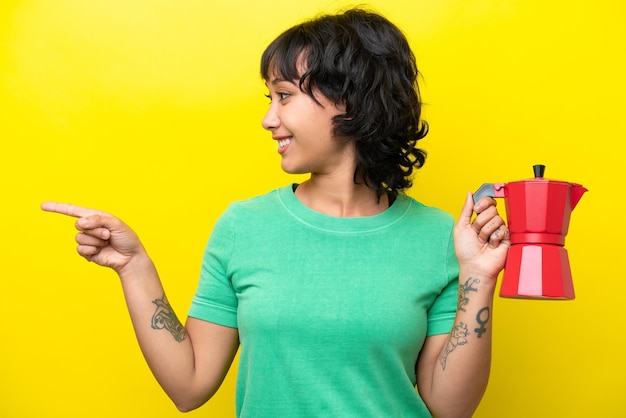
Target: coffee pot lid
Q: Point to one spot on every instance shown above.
(538, 171)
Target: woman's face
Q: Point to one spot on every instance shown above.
(303, 129)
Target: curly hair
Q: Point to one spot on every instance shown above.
(362, 60)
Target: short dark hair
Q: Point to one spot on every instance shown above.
(362, 60)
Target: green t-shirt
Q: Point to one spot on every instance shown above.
(331, 312)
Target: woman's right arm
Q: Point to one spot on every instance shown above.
(189, 362)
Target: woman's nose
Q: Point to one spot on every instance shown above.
(270, 120)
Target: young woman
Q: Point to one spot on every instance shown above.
(345, 294)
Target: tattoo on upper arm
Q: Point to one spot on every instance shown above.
(482, 317)
(458, 337)
(165, 318)
(464, 289)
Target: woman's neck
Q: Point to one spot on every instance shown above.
(340, 198)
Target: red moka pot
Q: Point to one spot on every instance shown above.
(538, 213)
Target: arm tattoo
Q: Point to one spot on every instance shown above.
(165, 318)
(458, 337)
(459, 334)
(482, 317)
(464, 289)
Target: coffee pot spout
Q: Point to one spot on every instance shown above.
(577, 192)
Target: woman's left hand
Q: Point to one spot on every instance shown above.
(481, 245)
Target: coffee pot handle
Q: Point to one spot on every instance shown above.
(489, 189)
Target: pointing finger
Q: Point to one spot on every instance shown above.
(70, 210)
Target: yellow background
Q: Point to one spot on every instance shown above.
(151, 110)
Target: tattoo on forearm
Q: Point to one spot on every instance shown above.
(482, 317)
(458, 337)
(165, 318)
(460, 332)
(464, 289)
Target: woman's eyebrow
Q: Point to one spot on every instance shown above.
(279, 80)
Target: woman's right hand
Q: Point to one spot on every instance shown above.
(103, 238)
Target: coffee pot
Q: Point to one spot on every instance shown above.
(538, 213)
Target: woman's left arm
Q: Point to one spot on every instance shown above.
(453, 369)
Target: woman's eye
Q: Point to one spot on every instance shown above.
(280, 95)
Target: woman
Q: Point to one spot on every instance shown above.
(344, 293)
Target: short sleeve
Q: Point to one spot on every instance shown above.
(442, 312)
(215, 299)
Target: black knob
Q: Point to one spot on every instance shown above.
(539, 169)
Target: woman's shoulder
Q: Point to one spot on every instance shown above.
(418, 209)
(257, 204)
